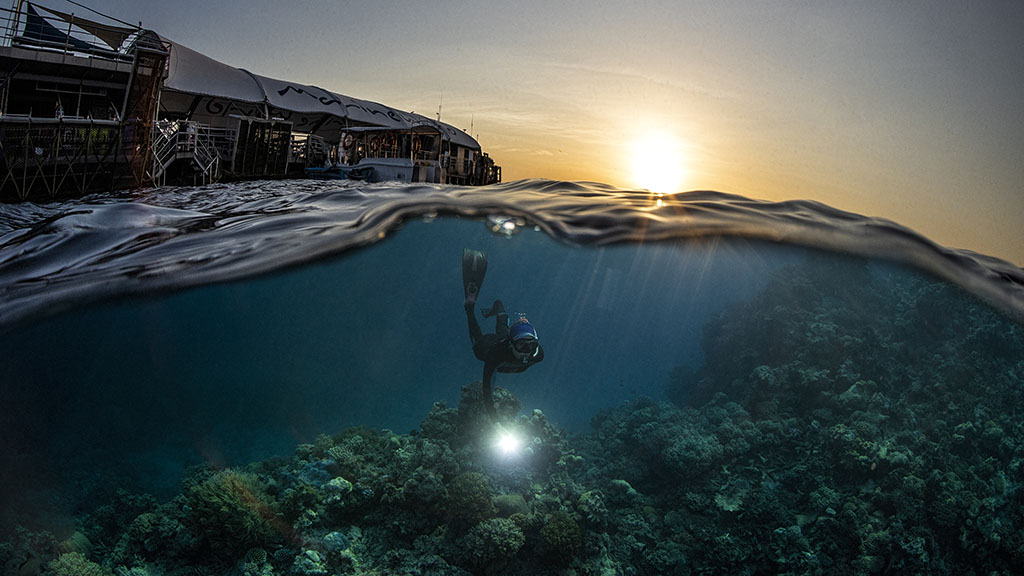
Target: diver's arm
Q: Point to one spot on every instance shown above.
(488, 399)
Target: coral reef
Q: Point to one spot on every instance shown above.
(232, 513)
(491, 545)
(850, 419)
(470, 498)
(76, 564)
(560, 537)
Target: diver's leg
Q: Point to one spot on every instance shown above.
(475, 334)
(501, 319)
(497, 308)
(501, 325)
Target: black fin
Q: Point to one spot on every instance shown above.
(474, 268)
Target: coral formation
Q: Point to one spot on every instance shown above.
(560, 537)
(848, 420)
(491, 545)
(76, 564)
(232, 513)
(470, 497)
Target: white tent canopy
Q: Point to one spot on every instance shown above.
(311, 109)
(193, 73)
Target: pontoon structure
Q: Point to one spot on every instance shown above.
(87, 105)
(327, 131)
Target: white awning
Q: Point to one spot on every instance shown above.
(449, 132)
(193, 73)
(311, 109)
(300, 97)
(377, 114)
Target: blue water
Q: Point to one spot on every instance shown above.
(143, 333)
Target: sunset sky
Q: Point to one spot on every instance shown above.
(910, 110)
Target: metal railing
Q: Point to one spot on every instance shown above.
(16, 33)
(175, 140)
(309, 150)
(53, 156)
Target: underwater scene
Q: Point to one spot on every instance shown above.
(533, 378)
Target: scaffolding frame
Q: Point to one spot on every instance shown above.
(60, 156)
(106, 142)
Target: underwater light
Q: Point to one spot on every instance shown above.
(505, 225)
(508, 443)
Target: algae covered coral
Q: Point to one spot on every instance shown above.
(850, 419)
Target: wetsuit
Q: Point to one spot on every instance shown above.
(495, 350)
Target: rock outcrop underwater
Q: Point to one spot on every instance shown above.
(849, 420)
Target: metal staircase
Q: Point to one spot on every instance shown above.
(184, 140)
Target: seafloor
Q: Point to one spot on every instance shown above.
(846, 421)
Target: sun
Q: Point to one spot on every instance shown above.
(658, 162)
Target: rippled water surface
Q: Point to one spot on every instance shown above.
(728, 385)
(183, 236)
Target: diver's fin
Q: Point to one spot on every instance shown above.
(474, 267)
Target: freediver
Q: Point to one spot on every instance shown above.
(512, 348)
